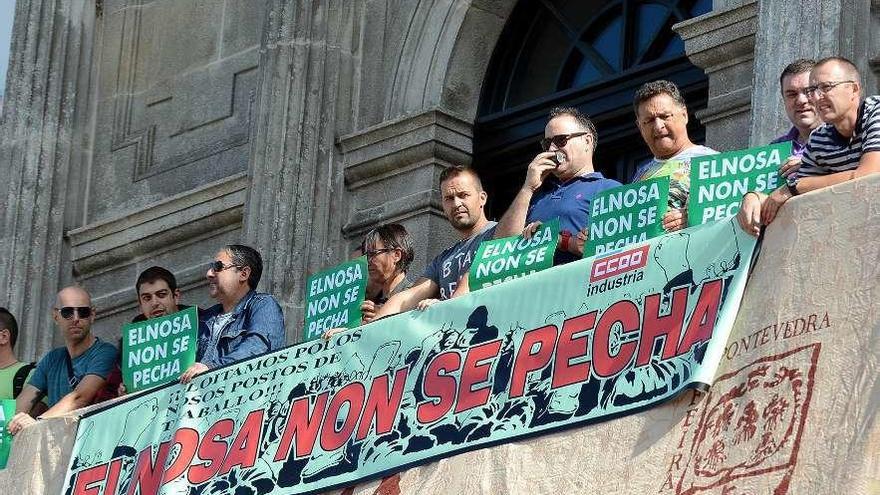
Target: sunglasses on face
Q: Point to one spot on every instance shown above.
(218, 266)
(559, 140)
(67, 312)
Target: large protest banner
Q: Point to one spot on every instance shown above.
(158, 350)
(626, 215)
(718, 182)
(500, 260)
(560, 348)
(334, 297)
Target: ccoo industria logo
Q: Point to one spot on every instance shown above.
(617, 270)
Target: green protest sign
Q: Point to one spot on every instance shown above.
(626, 215)
(7, 411)
(334, 297)
(500, 260)
(718, 182)
(158, 350)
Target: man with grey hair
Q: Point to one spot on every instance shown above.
(662, 118)
(845, 147)
(72, 375)
(560, 182)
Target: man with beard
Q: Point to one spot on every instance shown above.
(71, 376)
(245, 323)
(845, 147)
(463, 203)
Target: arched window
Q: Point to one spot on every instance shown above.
(589, 54)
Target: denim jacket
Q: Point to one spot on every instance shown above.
(256, 327)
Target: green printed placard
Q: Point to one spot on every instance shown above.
(7, 411)
(718, 182)
(500, 260)
(626, 215)
(334, 298)
(158, 350)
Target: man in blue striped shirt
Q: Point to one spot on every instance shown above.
(847, 145)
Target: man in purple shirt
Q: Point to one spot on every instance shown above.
(794, 80)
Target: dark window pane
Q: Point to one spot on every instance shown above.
(650, 20)
(701, 7)
(674, 48)
(585, 74)
(607, 43)
(537, 67)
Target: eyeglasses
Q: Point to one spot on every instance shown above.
(823, 88)
(377, 252)
(560, 140)
(218, 266)
(67, 312)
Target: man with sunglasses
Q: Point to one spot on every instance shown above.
(662, 118)
(244, 323)
(560, 182)
(71, 376)
(845, 147)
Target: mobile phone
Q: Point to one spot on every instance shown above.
(558, 157)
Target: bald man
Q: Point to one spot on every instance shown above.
(70, 376)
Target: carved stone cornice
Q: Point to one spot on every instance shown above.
(146, 232)
(720, 38)
(400, 145)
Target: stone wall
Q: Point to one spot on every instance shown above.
(140, 132)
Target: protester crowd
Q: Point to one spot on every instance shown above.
(835, 137)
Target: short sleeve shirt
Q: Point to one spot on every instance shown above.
(797, 147)
(678, 169)
(830, 152)
(51, 374)
(448, 266)
(7, 375)
(570, 202)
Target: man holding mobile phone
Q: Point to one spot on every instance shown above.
(560, 182)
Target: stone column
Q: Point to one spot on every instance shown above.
(50, 62)
(722, 43)
(787, 30)
(296, 202)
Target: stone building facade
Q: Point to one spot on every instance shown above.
(141, 132)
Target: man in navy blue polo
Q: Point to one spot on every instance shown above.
(560, 182)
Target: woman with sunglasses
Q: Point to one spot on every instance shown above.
(389, 252)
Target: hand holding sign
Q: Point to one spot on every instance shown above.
(334, 298)
(156, 351)
(718, 182)
(627, 214)
(499, 260)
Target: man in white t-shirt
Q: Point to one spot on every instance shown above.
(662, 117)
